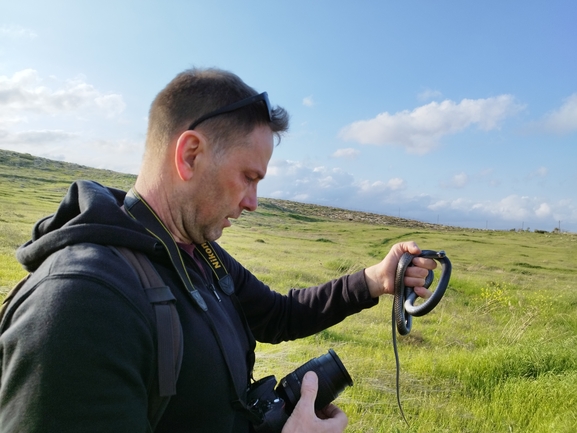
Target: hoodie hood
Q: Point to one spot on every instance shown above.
(90, 213)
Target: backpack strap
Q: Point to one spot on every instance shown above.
(168, 330)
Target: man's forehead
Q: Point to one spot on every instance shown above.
(256, 150)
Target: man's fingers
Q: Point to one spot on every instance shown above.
(422, 262)
(415, 272)
(410, 247)
(423, 293)
(415, 277)
(337, 415)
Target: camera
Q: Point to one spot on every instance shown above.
(272, 406)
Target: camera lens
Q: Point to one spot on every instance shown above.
(333, 379)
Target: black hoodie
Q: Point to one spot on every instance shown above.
(77, 349)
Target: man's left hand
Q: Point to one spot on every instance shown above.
(381, 277)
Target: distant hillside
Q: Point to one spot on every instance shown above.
(43, 183)
(24, 167)
(348, 215)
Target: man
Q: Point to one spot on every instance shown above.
(78, 347)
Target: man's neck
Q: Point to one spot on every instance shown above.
(156, 197)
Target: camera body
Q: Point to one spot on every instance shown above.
(267, 406)
(272, 406)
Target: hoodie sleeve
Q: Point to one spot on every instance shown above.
(77, 357)
(274, 317)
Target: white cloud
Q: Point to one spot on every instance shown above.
(8, 120)
(564, 119)
(348, 153)
(17, 32)
(26, 98)
(26, 93)
(111, 104)
(295, 180)
(544, 210)
(439, 205)
(394, 184)
(38, 137)
(308, 101)
(513, 208)
(428, 95)
(540, 172)
(420, 130)
(459, 180)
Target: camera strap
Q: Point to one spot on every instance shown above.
(137, 208)
(210, 256)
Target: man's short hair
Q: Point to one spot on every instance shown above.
(196, 92)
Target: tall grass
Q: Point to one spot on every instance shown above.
(499, 353)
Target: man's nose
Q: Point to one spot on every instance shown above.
(250, 200)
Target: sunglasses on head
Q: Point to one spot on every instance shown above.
(235, 106)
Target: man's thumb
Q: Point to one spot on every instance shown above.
(309, 388)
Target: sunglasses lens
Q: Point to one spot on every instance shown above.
(268, 106)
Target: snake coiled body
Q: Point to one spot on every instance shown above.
(404, 297)
(404, 300)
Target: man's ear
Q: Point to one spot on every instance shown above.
(188, 146)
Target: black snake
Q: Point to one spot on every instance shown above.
(404, 300)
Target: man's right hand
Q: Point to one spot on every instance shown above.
(304, 419)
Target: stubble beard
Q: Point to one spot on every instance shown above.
(204, 232)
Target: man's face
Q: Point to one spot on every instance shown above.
(226, 184)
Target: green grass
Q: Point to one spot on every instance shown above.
(499, 353)
(31, 188)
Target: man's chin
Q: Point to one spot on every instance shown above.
(213, 235)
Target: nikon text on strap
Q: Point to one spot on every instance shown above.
(225, 282)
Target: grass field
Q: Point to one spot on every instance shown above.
(499, 353)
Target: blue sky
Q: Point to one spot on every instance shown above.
(461, 113)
